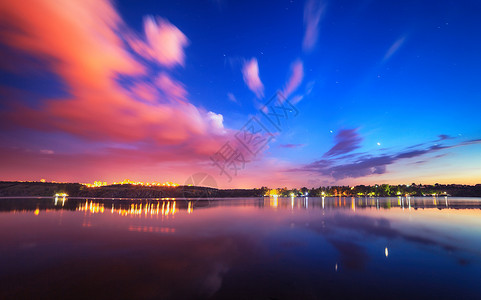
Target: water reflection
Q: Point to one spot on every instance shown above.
(278, 248)
(170, 206)
(63, 198)
(162, 208)
(371, 202)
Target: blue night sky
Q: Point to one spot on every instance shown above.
(387, 92)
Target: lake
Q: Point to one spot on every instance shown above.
(271, 248)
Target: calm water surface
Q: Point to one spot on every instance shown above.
(286, 248)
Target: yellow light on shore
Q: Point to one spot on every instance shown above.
(128, 181)
(273, 193)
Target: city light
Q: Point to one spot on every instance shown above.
(130, 182)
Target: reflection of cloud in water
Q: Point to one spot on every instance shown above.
(145, 267)
(382, 227)
(213, 280)
(359, 228)
(352, 255)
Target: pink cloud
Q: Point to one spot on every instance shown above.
(84, 43)
(250, 70)
(163, 43)
(144, 91)
(172, 89)
(313, 11)
(72, 36)
(297, 74)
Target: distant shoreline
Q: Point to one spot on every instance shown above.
(129, 191)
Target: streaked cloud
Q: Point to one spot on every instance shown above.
(47, 151)
(295, 79)
(356, 165)
(313, 12)
(347, 140)
(231, 97)
(394, 47)
(250, 71)
(144, 91)
(443, 137)
(171, 89)
(292, 145)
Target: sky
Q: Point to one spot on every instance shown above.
(252, 93)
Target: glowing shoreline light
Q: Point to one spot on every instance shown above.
(64, 197)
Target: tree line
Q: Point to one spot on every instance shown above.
(380, 190)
